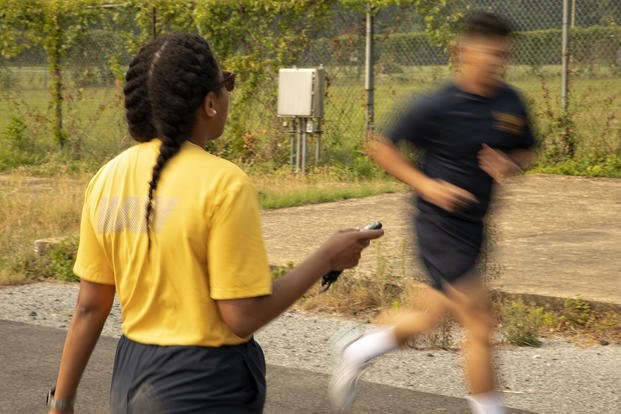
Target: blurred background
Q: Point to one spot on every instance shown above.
(62, 65)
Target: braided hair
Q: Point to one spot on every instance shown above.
(165, 84)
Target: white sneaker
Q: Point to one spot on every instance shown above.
(342, 389)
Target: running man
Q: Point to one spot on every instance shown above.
(471, 132)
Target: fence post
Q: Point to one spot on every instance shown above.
(54, 55)
(368, 78)
(565, 57)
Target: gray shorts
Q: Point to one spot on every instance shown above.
(187, 379)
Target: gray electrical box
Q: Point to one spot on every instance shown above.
(301, 92)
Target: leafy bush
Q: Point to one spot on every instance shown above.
(57, 262)
(535, 47)
(14, 134)
(593, 164)
(577, 312)
(521, 323)
(16, 145)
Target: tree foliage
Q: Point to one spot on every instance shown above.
(16, 26)
(255, 37)
(251, 37)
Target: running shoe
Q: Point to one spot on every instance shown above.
(342, 389)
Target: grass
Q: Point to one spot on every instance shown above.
(95, 126)
(32, 209)
(37, 208)
(300, 190)
(378, 297)
(520, 323)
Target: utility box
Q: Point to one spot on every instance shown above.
(301, 92)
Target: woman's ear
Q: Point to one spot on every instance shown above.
(209, 104)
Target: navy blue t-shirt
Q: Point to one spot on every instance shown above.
(450, 127)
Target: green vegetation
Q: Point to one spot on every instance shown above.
(97, 131)
(62, 66)
(56, 263)
(521, 324)
(591, 165)
(322, 194)
(391, 286)
(38, 208)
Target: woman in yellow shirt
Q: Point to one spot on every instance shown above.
(175, 232)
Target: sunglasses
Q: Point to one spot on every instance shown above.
(228, 80)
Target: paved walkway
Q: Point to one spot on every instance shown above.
(25, 381)
(554, 235)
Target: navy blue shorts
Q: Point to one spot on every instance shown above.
(448, 248)
(187, 379)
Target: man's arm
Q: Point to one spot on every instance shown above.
(92, 309)
(500, 165)
(439, 192)
(522, 157)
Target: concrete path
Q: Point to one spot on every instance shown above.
(554, 235)
(25, 381)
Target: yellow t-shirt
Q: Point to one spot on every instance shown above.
(206, 244)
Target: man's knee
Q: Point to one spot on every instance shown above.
(479, 325)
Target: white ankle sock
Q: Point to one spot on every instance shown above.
(486, 403)
(371, 345)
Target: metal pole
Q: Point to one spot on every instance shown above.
(304, 136)
(292, 144)
(565, 57)
(368, 79)
(318, 142)
(154, 22)
(573, 13)
(297, 146)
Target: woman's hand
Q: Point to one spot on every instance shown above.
(341, 251)
(344, 248)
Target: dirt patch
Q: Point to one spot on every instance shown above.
(555, 235)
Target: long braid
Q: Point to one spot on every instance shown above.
(179, 71)
(136, 91)
(167, 150)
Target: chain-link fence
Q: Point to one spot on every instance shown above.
(406, 63)
(86, 114)
(81, 119)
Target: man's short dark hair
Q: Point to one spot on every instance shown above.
(486, 24)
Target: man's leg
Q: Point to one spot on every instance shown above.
(472, 309)
(405, 324)
(467, 300)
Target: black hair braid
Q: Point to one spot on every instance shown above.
(167, 150)
(137, 104)
(181, 73)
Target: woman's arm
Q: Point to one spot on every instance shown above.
(341, 251)
(92, 309)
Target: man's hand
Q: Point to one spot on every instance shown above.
(447, 196)
(497, 164)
